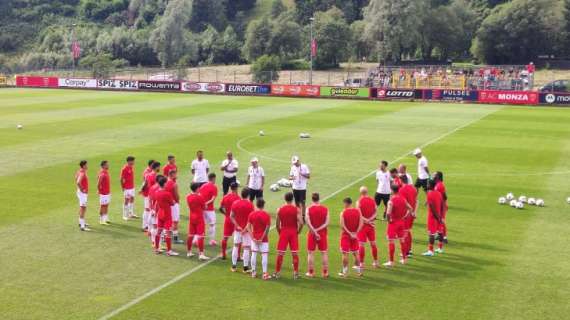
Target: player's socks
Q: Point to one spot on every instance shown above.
(295, 262)
(430, 247)
(361, 253)
(189, 243)
(224, 248)
(212, 234)
(246, 256)
(201, 244)
(253, 262)
(156, 241)
(239, 252)
(235, 255)
(409, 246)
(125, 212)
(82, 223)
(264, 258)
(374, 249)
(392, 250)
(168, 241)
(279, 263)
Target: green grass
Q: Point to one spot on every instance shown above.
(501, 263)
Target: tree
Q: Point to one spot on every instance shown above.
(360, 46)
(567, 27)
(230, 50)
(168, 38)
(208, 12)
(265, 69)
(102, 65)
(286, 37)
(333, 37)
(277, 7)
(257, 39)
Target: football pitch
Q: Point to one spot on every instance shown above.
(501, 263)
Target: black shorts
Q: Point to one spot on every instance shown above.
(423, 183)
(300, 196)
(382, 198)
(226, 184)
(255, 194)
(200, 184)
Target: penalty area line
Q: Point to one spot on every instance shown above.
(330, 196)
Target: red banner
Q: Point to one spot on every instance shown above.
(314, 47)
(32, 81)
(510, 97)
(295, 91)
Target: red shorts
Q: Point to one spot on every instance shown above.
(288, 237)
(165, 224)
(228, 227)
(409, 222)
(396, 230)
(367, 233)
(313, 243)
(347, 244)
(433, 226)
(196, 227)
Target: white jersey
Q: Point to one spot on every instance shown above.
(422, 166)
(200, 170)
(299, 181)
(383, 179)
(233, 164)
(410, 181)
(255, 177)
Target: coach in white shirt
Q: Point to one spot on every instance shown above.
(200, 169)
(423, 170)
(255, 180)
(300, 175)
(230, 168)
(383, 190)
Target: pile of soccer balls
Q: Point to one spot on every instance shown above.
(282, 183)
(520, 202)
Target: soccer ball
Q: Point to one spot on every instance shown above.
(522, 199)
(510, 196)
(502, 200)
(285, 183)
(261, 133)
(531, 201)
(568, 200)
(513, 203)
(274, 187)
(540, 202)
(20, 127)
(304, 135)
(520, 205)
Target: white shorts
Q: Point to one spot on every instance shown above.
(263, 248)
(146, 203)
(82, 198)
(104, 199)
(242, 237)
(210, 217)
(129, 193)
(175, 212)
(151, 219)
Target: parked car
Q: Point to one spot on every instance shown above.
(556, 86)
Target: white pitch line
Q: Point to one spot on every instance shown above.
(198, 267)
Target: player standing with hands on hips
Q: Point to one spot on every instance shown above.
(230, 168)
(300, 175)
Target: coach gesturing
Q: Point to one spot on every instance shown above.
(230, 168)
(300, 175)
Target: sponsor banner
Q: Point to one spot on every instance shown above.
(159, 85)
(455, 95)
(77, 83)
(31, 81)
(554, 98)
(395, 94)
(345, 92)
(510, 97)
(210, 87)
(235, 88)
(117, 84)
(296, 91)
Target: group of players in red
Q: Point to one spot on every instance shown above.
(250, 224)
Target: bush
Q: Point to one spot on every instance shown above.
(295, 65)
(102, 65)
(265, 69)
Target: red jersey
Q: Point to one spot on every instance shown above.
(288, 217)
(164, 201)
(127, 177)
(351, 218)
(152, 195)
(209, 191)
(399, 208)
(397, 181)
(440, 187)
(169, 186)
(166, 169)
(409, 193)
(228, 201)
(241, 209)
(196, 204)
(81, 175)
(367, 206)
(318, 215)
(104, 182)
(260, 221)
(434, 199)
(150, 180)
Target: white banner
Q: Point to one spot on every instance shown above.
(117, 84)
(77, 83)
(210, 87)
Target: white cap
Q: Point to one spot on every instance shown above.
(294, 159)
(417, 151)
(254, 159)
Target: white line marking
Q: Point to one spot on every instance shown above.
(198, 267)
(240, 141)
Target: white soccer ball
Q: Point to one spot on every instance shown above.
(531, 201)
(513, 203)
(568, 200)
(502, 200)
(285, 183)
(304, 135)
(540, 202)
(522, 199)
(510, 196)
(520, 205)
(274, 187)
(20, 127)
(261, 133)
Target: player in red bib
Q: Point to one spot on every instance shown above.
(172, 187)
(128, 186)
(435, 206)
(209, 191)
(149, 180)
(82, 184)
(440, 187)
(226, 208)
(164, 203)
(152, 221)
(258, 225)
(317, 219)
(410, 193)
(289, 223)
(351, 223)
(104, 188)
(239, 215)
(397, 213)
(367, 234)
(170, 165)
(395, 177)
(196, 227)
